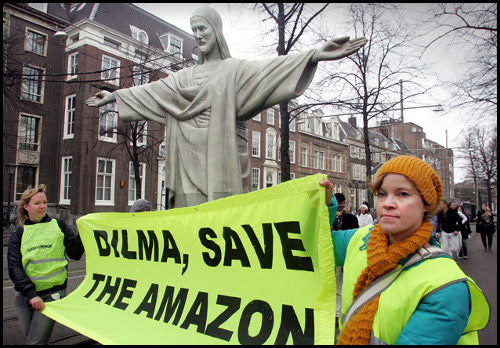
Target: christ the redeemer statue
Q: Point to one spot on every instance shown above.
(205, 108)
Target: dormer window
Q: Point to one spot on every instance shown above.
(171, 44)
(143, 37)
(139, 34)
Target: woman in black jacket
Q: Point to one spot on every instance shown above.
(37, 263)
(485, 226)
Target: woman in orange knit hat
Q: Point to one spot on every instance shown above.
(399, 286)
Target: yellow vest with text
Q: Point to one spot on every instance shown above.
(42, 250)
(399, 301)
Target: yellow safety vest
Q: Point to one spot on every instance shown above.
(42, 250)
(399, 301)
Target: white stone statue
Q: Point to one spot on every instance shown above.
(205, 108)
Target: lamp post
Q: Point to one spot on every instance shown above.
(11, 169)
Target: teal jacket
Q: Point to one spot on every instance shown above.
(439, 319)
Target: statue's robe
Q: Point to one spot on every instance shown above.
(206, 142)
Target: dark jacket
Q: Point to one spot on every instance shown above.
(484, 222)
(345, 221)
(22, 283)
(452, 221)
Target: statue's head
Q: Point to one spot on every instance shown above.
(213, 38)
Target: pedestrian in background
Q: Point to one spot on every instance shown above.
(343, 221)
(37, 263)
(364, 216)
(430, 302)
(485, 226)
(466, 232)
(450, 235)
(140, 205)
(371, 210)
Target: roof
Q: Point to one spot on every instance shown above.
(120, 16)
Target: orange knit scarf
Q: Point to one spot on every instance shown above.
(382, 258)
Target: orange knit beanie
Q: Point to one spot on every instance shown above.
(422, 174)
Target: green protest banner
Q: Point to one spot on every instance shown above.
(256, 268)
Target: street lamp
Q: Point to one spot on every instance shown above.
(11, 169)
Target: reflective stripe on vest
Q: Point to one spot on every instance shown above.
(409, 288)
(42, 250)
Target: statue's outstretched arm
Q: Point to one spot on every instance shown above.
(338, 48)
(101, 98)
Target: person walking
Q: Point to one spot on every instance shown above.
(485, 226)
(429, 299)
(37, 263)
(465, 232)
(450, 236)
(364, 216)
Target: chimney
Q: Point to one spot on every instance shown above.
(352, 121)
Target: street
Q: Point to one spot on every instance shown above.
(481, 267)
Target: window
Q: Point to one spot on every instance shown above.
(142, 36)
(339, 163)
(111, 43)
(270, 116)
(171, 44)
(303, 154)
(32, 84)
(35, 42)
(316, 158)
(67, 163)
(255, 144)
(141, 76)
(132, 195)
(255, 179)
(175, 45)
(271, 144)
(105, 181)
(322, 160)
(291, 151)
(107, 122)
(138, 132)
(72, 65)
(26, 176)
(110, 70)
(334, 162)
(69, 117)
(29, 132)
(292, 125)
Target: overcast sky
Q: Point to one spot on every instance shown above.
(243, 30)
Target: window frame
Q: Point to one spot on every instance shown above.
(66, 133)
(111, 201)
(40, 82)
(105, 70)
(39, 33)
(65, 180)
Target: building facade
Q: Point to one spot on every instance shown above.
(33, 95)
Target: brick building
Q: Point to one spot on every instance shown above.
(32, 103)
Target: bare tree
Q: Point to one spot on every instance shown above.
(292, 21)
(472, 27)
(368, 82)
(142, 140)
(479, 150)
